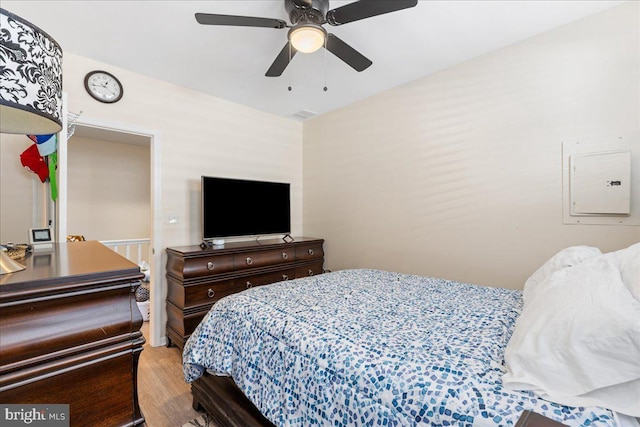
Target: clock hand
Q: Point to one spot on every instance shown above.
(108, 90)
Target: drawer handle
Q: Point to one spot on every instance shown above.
(310, 251)
(211, 293)
(310, 272)
(285, 255)
(249, 284)
(210, 266)
(285, 277)
(249, 260)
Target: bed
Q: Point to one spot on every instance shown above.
(366, 347)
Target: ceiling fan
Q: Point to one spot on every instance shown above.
(306, 33)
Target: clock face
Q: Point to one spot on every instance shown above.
(41, 235)
(103, 86)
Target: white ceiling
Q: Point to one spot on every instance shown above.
(161, 39)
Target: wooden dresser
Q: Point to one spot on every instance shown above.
(70, 334)
(533, 419)
(197, 278)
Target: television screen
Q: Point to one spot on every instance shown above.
(236, 207)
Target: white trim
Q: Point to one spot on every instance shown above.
(156, 330)
(61, 204)
(156, 326)
(127, 244)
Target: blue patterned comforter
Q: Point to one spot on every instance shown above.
(367, 347)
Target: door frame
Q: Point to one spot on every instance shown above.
(157, 335)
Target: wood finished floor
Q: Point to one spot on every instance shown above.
(165, 398)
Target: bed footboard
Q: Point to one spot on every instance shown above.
(225, 403)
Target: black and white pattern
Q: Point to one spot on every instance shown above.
(30, 68)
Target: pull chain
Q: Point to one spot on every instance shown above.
(325, 64)
(289, 64)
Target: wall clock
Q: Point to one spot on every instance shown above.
(103, 86)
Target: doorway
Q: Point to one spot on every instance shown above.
(124, 134)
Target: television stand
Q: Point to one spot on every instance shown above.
(198, 277)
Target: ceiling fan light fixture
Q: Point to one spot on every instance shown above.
(307, 38)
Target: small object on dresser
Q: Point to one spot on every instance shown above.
(533, 419)
(41, 238)
(287, 238)
(17, 251)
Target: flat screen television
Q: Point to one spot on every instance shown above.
(238, 207)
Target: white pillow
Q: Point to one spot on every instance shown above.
(577, 341)
(567, 257)
(628, 261)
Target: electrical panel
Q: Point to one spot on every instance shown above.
(600, 183)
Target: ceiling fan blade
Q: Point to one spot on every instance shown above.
(282, 60)
(239, 21)
(366, 9)
(352, 57)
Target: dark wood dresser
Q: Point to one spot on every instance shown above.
(70, 334)
(197, 277)
(533, 419)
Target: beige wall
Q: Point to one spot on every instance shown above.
(459, 174)
(108, 191)
(199, 135)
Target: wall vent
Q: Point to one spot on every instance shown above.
(303, 115)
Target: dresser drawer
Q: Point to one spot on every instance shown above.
(310, 251)
(207, 266)
(264, 258)
(207, 293)
(309, 270)
(265, 279)
(54, 324)
(182, 323)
